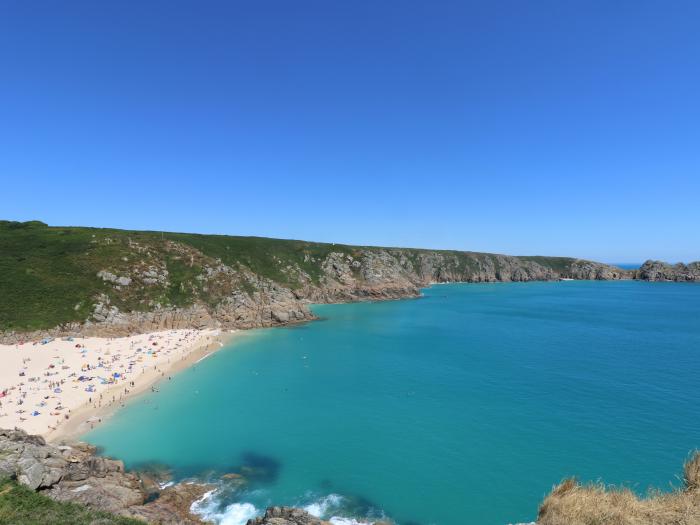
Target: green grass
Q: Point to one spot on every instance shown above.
(48, 275)
(20, 505)
(262, 255)
(44, 278)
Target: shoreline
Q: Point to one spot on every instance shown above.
(62, 388)
(86, 416)
(82, 417)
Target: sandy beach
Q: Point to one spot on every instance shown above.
(61, 388)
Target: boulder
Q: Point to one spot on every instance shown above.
(286, 516)
(76, 474)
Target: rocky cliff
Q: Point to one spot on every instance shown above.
(661, 271)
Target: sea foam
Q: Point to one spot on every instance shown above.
(327, 505)
(335, 520)
(234, 514)
(321, 507)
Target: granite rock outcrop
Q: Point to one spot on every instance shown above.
(661, 271)
(75, 473)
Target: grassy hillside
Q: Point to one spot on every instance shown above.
(49, 275)
(22, 506)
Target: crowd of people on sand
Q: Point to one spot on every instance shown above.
(42, 382)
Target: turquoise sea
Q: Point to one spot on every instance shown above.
(462, 407)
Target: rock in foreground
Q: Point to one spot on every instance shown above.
(75, 474)
(571, 503)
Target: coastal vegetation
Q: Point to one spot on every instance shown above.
(19, 505)
(571, 503)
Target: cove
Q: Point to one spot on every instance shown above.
(462, 407)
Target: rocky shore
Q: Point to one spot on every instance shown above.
(75, 473)
(286, 516)
(293, 516)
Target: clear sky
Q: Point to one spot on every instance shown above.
(522, 127)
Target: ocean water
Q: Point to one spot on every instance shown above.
(462, 407)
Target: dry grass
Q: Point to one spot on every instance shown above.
(571, 503)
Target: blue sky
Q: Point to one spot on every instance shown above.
(548, 127)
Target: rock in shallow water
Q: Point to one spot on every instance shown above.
(286, 516)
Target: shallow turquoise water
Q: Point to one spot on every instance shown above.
(463, 407)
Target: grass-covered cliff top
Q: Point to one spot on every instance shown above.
(49, 274)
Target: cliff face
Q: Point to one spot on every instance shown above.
(661, 271)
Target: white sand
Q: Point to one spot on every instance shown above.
(68, 386)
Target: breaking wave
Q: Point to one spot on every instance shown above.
(321, 507)
(208, 507)
(329, 505)
(211, 507)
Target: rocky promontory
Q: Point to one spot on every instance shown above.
(661, 271)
